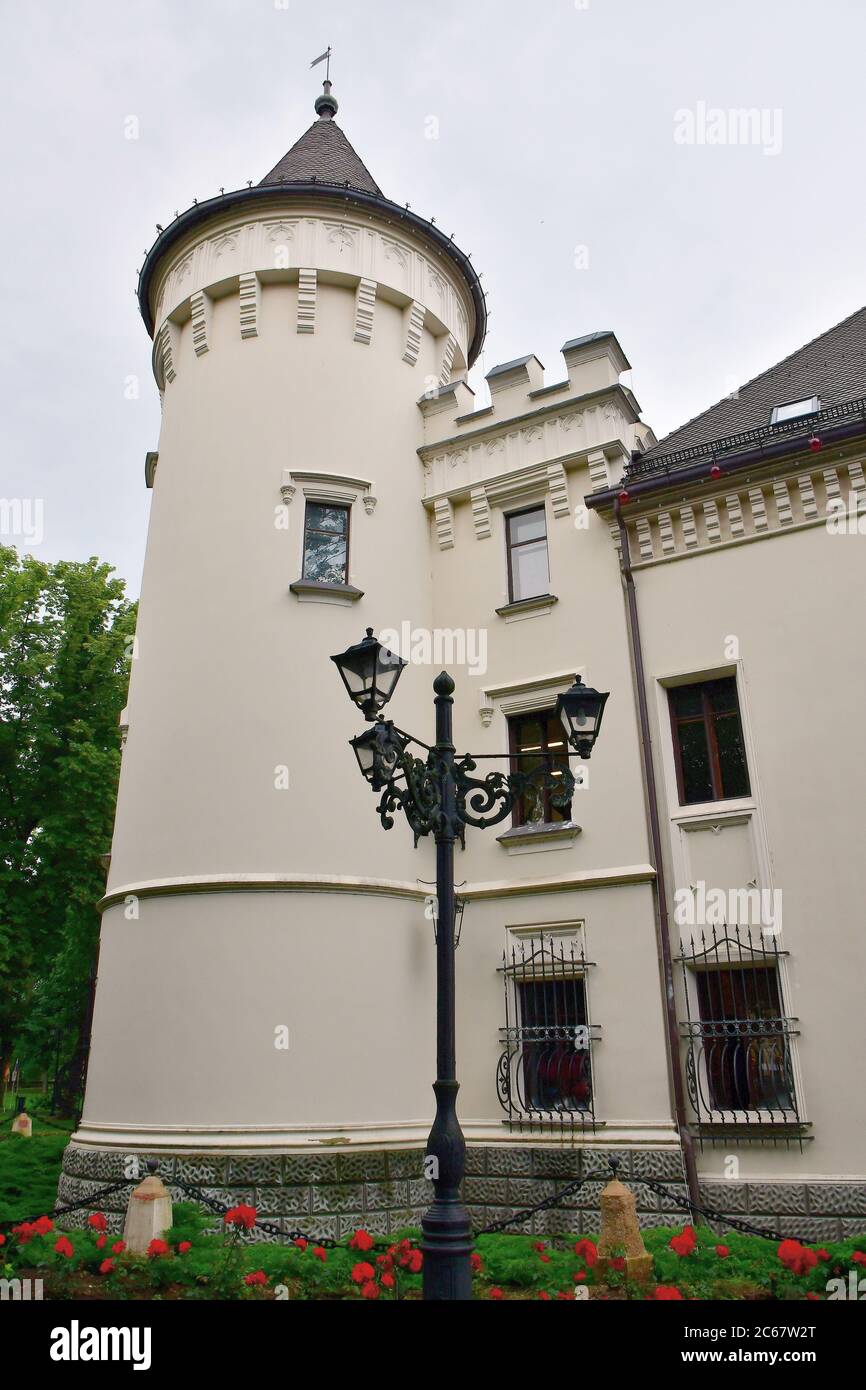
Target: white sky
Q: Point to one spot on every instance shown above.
(556, 131)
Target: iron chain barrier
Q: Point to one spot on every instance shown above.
(92, 1201)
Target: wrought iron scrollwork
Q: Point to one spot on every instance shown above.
(418, 789)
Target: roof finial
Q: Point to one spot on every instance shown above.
(326, 105)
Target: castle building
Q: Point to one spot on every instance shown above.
(667, 970)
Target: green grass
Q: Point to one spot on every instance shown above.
(30, 1169)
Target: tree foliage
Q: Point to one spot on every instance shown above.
(65, 641)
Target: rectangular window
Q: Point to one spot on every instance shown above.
(326, 543)
(526, 538)
(794, 410)
(544, 1072)
(739, 1067)
(555, 1044)
(541, 737)
(745, 1044)
(708, 741)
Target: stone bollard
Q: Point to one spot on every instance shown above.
(148, 1215)
(22, 1124)
(620, 1232)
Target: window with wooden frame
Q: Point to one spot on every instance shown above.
(709, 751)
(540, 739)
(326, 543)
(526, 547)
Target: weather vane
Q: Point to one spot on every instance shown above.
(326, 59)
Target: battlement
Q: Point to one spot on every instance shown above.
(593, 363)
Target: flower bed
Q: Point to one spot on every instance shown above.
(688, 1263)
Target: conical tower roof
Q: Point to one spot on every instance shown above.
(322, 165)
(323, 155)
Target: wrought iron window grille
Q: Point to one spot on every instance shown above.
(738, 1039)
(544, 1074)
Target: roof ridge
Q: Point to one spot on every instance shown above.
(810, 342)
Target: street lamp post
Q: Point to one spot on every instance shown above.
(439, 795)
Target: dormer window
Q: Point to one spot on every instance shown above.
(793, 410)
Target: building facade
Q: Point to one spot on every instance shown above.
(657, 971)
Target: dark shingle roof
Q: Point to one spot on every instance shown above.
(831, 367)
(323, 153)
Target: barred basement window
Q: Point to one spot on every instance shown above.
(739, 1068)
(544, 1074)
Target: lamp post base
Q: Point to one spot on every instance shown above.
(447, 1245)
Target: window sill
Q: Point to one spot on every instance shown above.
(542, 835)
(527, 608)
(312, 591)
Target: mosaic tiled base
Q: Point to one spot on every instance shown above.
(333, 1194)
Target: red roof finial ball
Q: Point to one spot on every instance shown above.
(815, 443)
(715, 471)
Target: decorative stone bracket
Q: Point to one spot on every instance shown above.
(335, 488)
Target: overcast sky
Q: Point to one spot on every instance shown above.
(573, 160)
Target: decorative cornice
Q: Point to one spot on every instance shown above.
(749, 509)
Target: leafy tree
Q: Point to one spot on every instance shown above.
(65, 640)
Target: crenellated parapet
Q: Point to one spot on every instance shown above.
(311, 247)
(531, 436)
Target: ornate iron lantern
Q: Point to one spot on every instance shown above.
(378, 752)
(370, 673)
(580, 709)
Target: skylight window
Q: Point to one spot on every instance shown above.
(793, 410)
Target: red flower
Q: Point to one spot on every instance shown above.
(476, 1262)
(796, 1258)
(258, 1278)
(101, 1242)
(301, 1243)
(495, 1293)
(2, 1238)
(388, 1281)
(586, 1250)
(538, 1245)
(118, 1247)
(242, 1216)
(158, 1247)
(42, 1226)
(184, 1246)
(813, 1297)
(579, 1277)
(545, 1295)
(545, 1259)
(370, 1290)
(667, 1292)
(107, 1267)
(319, 1253)
(416, 1260)
(566, 1294)
(822, 1253)
(618, 1263)
(385, 1263)
(63, 1247)
(363, 1273)
(685, 1242)
(361, 1240)
(722, 1251)
(24, 1232)
(97, 1221)
(858, 1258)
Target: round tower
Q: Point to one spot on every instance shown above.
(264, 1010)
